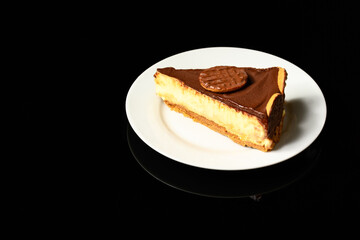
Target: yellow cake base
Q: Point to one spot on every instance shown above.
(222, 130)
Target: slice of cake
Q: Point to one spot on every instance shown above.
(246, 104)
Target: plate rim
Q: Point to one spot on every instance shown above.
(155, 148)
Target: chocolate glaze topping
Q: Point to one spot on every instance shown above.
(252, 98)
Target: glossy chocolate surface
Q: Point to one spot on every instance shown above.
(251, 98)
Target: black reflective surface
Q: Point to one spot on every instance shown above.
(77, 164)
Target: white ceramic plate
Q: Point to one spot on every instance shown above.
(186, 141)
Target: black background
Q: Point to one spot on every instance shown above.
(74, 169)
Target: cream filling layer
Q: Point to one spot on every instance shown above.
(246, 127)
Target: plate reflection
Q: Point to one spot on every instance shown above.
(217, 183)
